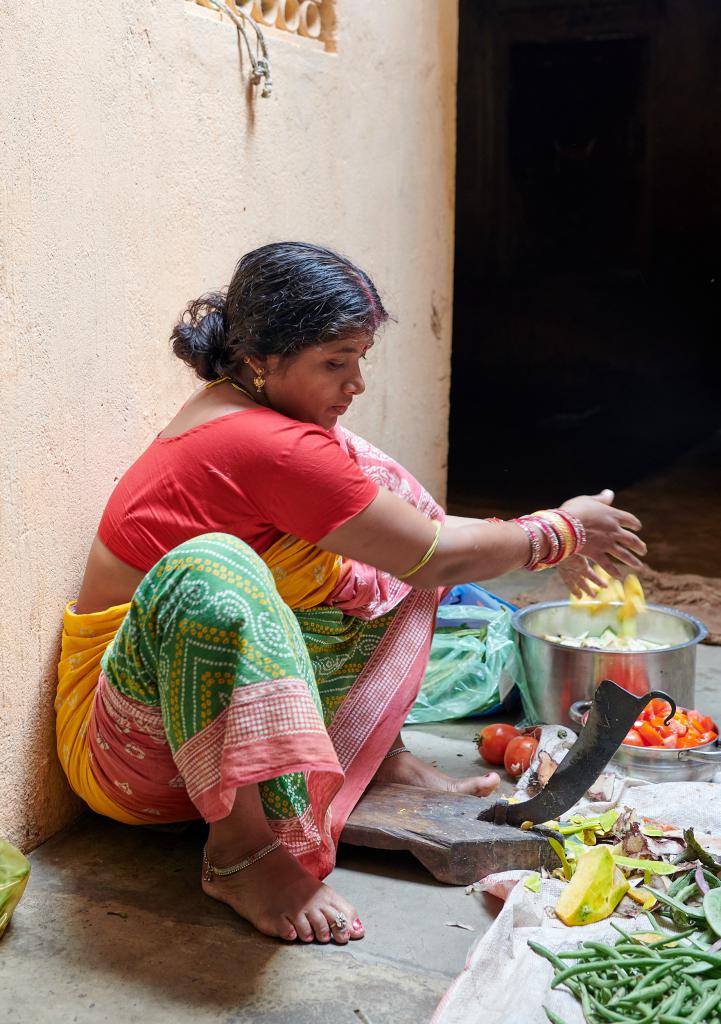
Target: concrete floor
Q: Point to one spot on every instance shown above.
(113, 926)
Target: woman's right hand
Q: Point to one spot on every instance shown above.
(611, 532)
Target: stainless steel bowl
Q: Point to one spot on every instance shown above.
(558, 676)
(692, 764)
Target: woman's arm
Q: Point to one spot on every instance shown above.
(454, 521)
(393, 536)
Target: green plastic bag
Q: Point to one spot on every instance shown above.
(472, 666)
(14, 872)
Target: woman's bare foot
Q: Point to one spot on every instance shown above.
(280, 898)
(411, 771)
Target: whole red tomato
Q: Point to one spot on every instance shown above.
(519, 753)
(493, 740)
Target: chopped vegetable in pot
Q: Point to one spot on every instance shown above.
(629, 601)
(609, 640)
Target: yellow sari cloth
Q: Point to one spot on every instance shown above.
(304, 576)
(85, 638)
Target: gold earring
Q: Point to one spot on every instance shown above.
(259, 379)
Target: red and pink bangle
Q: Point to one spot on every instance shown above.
(577, 528)
(563, 532)
(533, 531)
(555, 544)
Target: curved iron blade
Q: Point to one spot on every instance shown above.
(612, 713)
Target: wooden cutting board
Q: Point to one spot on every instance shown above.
(441, 831)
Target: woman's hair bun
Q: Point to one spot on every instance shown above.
(282, 297)
(200, 338)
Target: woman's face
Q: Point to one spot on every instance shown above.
(319, 383)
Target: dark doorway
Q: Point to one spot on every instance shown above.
(586, 315)
(576, 152)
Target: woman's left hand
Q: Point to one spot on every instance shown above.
(579, 577)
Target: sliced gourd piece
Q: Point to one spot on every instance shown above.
(633, 591)
(595, 890)
(593, 602)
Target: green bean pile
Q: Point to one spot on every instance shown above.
(633, 983)
(675, 979)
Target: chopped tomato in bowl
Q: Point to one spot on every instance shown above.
(687, 728)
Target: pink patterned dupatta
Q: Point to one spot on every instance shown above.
(378, 703)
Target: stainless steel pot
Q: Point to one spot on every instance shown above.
(693, 764)
(558, 676)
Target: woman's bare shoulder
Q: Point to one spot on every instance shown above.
(203, 406)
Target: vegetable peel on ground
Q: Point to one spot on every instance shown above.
(533, 882)
(561, 854)
(546, 768)
(651, 867)
(645, 899)
(601, 824)
(695, 851)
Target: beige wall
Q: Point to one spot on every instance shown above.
(136, 167)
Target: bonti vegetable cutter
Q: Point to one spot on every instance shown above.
(459, 839)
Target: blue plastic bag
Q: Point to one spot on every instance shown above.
(471, 596)
(474, 663)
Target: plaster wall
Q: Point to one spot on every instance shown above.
(137, 165)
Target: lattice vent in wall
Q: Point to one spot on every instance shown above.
(310, 19)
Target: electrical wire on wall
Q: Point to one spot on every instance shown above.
(260, 65)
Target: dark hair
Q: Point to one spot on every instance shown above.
(282, 297)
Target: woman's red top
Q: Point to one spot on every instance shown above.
(253, 473)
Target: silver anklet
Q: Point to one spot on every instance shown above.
(398, 750)
(209, 870)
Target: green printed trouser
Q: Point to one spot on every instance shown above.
(218, 683)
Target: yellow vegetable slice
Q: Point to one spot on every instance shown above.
(648, 938)
(595, 890)
(628, 594)
(646, 901)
